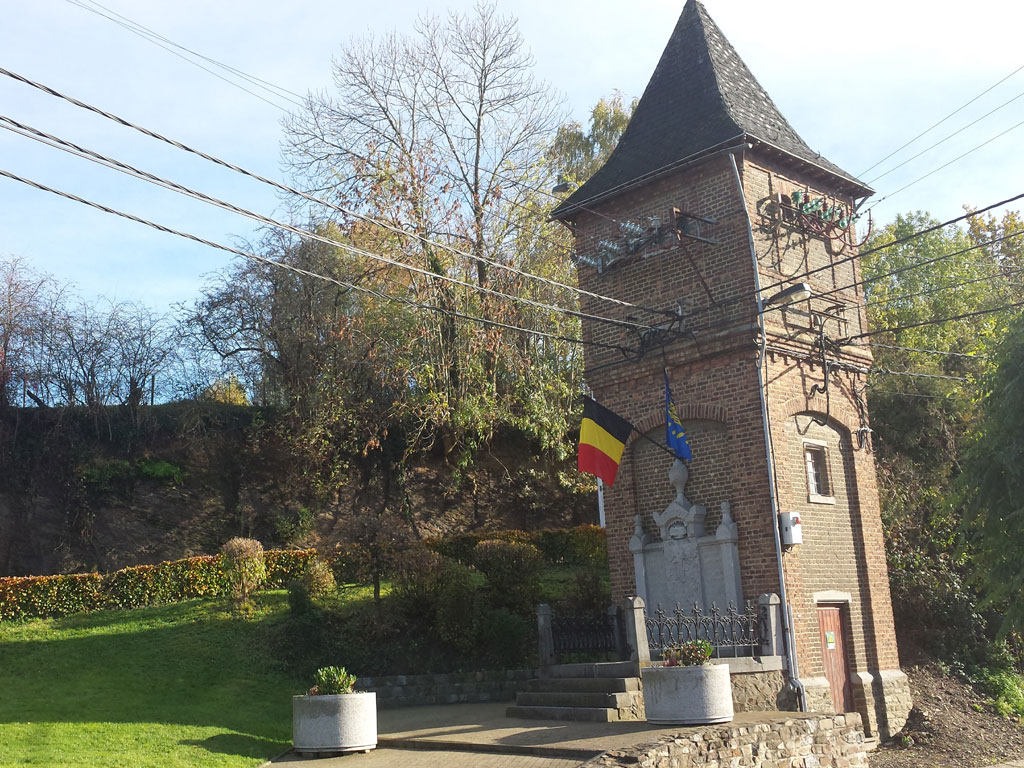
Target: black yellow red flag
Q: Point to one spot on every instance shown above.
(603, 435)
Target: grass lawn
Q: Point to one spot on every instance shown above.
(177, 685)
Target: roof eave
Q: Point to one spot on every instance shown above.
(567, 208)
(855, 187)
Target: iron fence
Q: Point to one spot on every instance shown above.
(587, 634)
(731, 632)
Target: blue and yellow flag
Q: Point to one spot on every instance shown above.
(675, 435)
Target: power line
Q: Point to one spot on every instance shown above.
(892, 244)
(79, 151)
(945, 287)
(940, 122)
(940, 321)
(277, 90)
(950, 136)
(308, 273)
(907, 394)
(341, 209)
(865, 281)
(928, 351)
(152, 37)
(946, 165)
(914, 374)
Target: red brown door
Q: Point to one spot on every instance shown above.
(833, 653)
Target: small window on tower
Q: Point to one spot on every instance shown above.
(819, 488)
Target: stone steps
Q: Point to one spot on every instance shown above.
(603, 693)
(583, 684)
(567, 698)
(597, 669)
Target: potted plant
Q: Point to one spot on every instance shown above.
(332, 716)
(688, 689)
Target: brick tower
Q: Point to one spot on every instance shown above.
(709, 208)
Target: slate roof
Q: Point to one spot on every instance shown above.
(701, 97)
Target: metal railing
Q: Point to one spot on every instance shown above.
(731, 632)
(586, 634)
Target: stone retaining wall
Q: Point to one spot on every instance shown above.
(835, 741)
(451, 688)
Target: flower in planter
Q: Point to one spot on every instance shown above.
(332, 681)
(693, 653)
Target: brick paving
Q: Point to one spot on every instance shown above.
(423, 758)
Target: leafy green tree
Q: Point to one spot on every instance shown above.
(993, 483)
(576, 153)
(923, 424)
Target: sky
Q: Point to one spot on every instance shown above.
(856, 80)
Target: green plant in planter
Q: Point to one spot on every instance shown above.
(332, 681)
(694, 653)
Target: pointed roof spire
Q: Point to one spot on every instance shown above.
(700, 98)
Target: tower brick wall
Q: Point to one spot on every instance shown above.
(712, 362)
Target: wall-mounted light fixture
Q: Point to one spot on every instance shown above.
(797, 292)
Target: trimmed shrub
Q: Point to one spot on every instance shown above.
(318, 578)
(582, 545)
(168, 582)
(589, 594)
(299, 601)
(348, 563)
(39, 596)
(513, 571)
(286, 565)
(418, 583)
(506, 640)
(244, 569)
(457, 612)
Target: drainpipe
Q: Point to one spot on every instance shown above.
(787, 617)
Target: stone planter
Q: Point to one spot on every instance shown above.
(344, 723)
(688, 695)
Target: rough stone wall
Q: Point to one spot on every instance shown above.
(807, 742)
(453, 688)
(886, 697)
(761, 692)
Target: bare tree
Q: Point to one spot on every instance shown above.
(28, 302)
(443, 133)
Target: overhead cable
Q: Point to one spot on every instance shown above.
(109, 162)
(933, 126)
(341, 209)
(308, 273)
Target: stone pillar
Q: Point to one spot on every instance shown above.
(726, 536)
(769, 605)
(545, 640)
(615, 617)
(636, 631)
(636, 546)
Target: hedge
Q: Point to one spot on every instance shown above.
(23, 597)
(582, 545)
(134, 587)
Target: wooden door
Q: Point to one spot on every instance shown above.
(833, 653)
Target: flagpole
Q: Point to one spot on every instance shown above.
(600, 483)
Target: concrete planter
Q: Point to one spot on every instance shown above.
(688, 695)
(344, 723)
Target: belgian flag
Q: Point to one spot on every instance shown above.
(603, 435)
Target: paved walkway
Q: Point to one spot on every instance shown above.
(479, 735)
